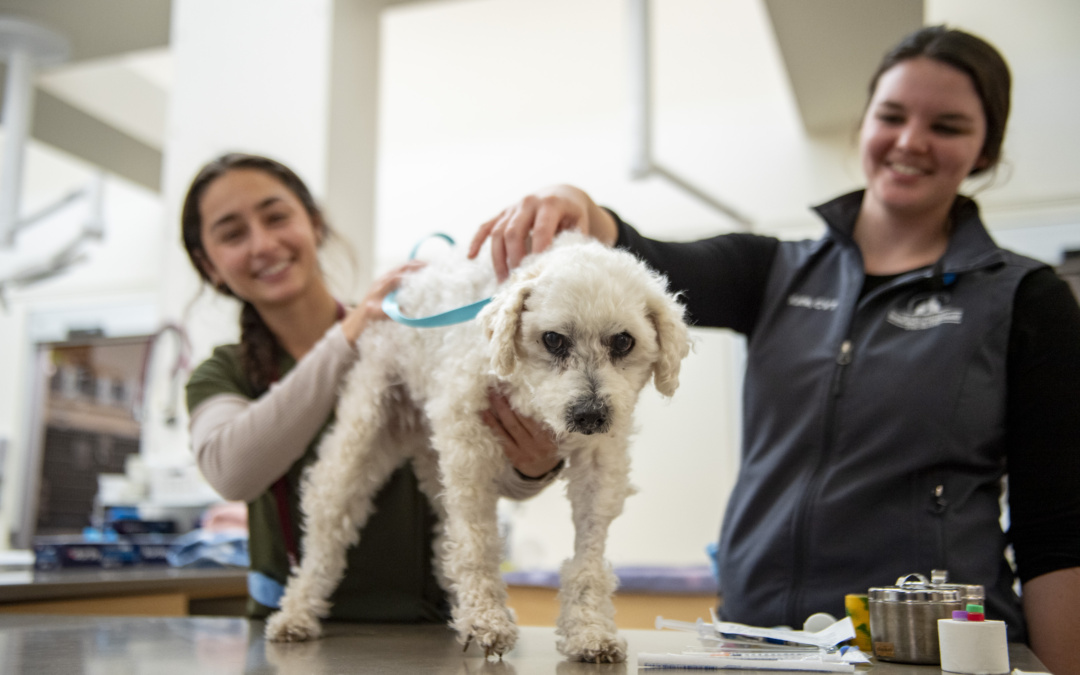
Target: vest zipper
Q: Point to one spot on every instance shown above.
(939, 499)
(941, 504)
(843, 358)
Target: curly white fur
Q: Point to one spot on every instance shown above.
(571, 338)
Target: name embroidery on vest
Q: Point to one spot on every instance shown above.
(810, 302)
(928, 310)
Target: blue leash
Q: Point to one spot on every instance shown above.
(447, 318)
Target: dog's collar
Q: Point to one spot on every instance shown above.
(447, 318)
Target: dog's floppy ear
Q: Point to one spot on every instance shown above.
(667, 317)
(501, 319)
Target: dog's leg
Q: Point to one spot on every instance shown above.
(599, 483)
(471, 459)
(426, 467)
(337, 494)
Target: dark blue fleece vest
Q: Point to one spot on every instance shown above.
(874, 427)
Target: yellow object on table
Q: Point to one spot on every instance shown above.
(857, 606)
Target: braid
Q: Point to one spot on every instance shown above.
(258, 350)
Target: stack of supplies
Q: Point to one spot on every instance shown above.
(725, 645)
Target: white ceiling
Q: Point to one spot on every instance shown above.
(129, 91)
(107, 104)
(830, 49)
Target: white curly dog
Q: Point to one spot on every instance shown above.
(571, 338)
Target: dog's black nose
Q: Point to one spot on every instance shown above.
(589, 416)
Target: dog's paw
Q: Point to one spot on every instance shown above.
(594, 647)
(283, 627)
(493, 631)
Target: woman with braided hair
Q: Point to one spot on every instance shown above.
(259, 408)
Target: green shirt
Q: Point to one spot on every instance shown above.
(390, 573)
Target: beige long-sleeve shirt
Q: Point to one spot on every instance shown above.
(242, 445)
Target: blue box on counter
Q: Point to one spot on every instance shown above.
(131, 527)
(153, 548)
(51, 553)
(63, 552)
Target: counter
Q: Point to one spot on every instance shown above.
(227, 646)
(144, 591)
(684, 593)
(644, 593)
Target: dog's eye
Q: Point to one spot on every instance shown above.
(556, 343)
(621, 344)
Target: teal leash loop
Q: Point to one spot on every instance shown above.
(447, 318)
(417, 245)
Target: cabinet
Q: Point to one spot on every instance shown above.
(84, 423)
(136, 591)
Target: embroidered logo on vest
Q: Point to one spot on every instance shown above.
(928, 310)
(810, 302)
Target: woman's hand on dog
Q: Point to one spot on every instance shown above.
(370, 308)
(528, 444)
(531, 224)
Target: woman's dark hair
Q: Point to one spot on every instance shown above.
(972, 56)
(259, 349)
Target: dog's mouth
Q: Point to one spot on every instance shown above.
(588, 415)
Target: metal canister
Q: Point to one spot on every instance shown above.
(903, 618)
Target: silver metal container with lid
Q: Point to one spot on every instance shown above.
(903, 618)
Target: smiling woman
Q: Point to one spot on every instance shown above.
(899, 368)
(251, 229)
(260, 242)
(921, 138)
(259, 409)
(936, 115)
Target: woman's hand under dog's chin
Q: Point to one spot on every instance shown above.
(529, 445)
